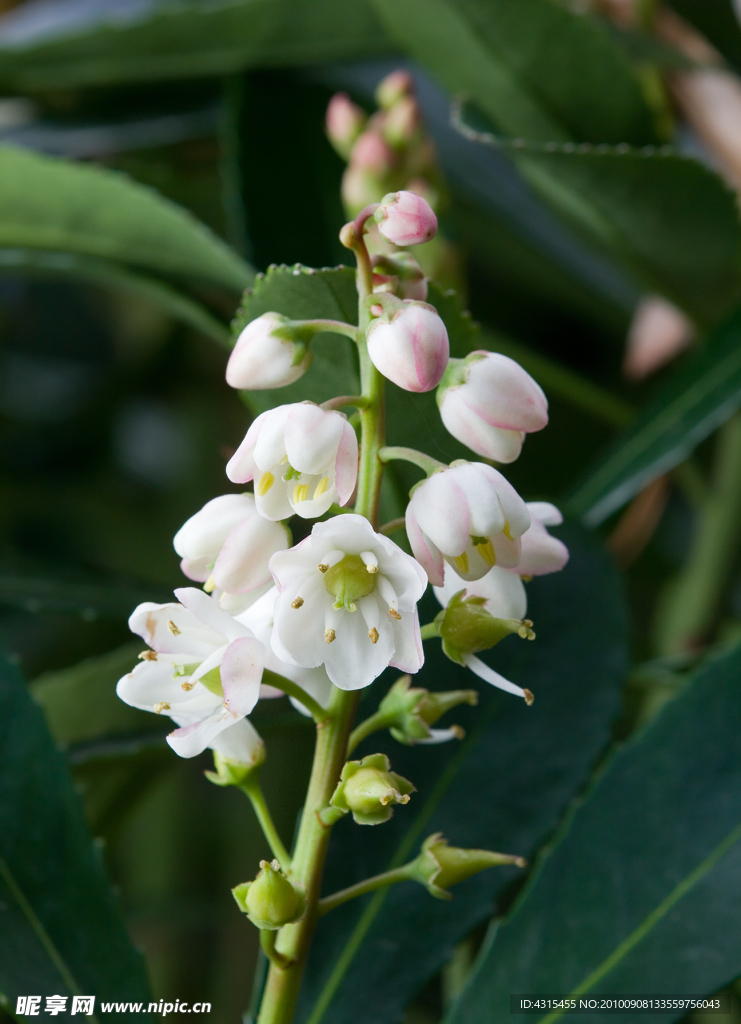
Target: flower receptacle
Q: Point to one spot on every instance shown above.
(439, 865)
(271, 900)
(466, 627)
(369, 789)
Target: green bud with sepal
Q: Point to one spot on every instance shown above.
(349, 580)
(271, 901)
(439, 865)
(411, 710)
(466, 627)
(369, 789)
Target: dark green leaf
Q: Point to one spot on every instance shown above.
(717, 20)
(35, 588)
(60, 928)
(115, 278)
(53, 204)
(537, 69)
(700, 394)
(505, 788)
(640, 894)
(80, 702)
(562, 105)
(189, 39)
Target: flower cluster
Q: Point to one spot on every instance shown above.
(335, 610)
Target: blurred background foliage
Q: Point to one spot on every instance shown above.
(153, 157)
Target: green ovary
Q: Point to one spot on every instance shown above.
(348, 581)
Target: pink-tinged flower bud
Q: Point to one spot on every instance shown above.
(658, 333)
(262, 359)
(402, 123)
(344, 123)
(400, 275)
(468, 515)
(393, 88)
(541, 553)
(359, 189)
(373, 154)
(488, 402)
(410, 347)
(405, 218)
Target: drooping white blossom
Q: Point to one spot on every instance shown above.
(262, 359)
(410, 346)
(541, 553)
(348, 600)
(488, 402)
(469, 515)
(203, 670)
(302, 459)
(228, 545)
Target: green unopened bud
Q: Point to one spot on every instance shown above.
(439, 866)
(232, 772)
(466, 627)
(271, 900)
(370, 789)
(410, 710)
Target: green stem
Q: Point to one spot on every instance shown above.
(283, 984)
(688, 613)
(309, 328)
(429, 631)
(361, 888)
(373, 724)
(425, 462)
(253, 790)
(291, 689)
(358, 401)
(392, 526)
(267, 944)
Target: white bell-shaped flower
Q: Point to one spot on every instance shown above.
(262, 359)
(203, 670)
(469, 515)
(228, 545)
(541, 553)
(302, 459)
(348, 600)
(488, 402)
(259, 619)
(409, 345)
(240, 743)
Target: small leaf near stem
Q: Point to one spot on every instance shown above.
(291, 689)
(253, 790)
(424, 462)
(267, 943)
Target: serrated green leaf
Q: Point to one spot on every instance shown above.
(504, 788)
(537, 69)
(566, 103)
(80, 702)
(185, 40)
(56, 205)
(640, 894)
(60, 929)
(702, 392)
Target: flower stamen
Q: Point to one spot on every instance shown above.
(461, 562)
(300, 493)
(321, 487)
(173, 628)
(161, 706)
(373, 635)
(265, 483)
(148, 656)
(297, 602)
(329, 636)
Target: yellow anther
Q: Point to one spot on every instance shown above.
(528, 697)
(187, 686)
(487, 553)
(148, 656)
(209, 585)
(373, 634)
(173, 628)
(372, 568)
(458, 731)
(506, 532)
(321, 487)
(461, 562)
(297, 602)
(300, 493)
(322, 568)
(283, 461)
(329, 636)
(161, 706)
(394, 614)
(265, 482)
